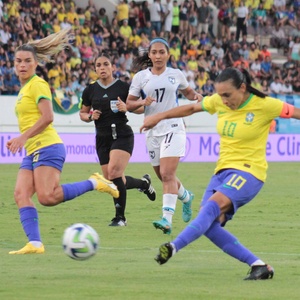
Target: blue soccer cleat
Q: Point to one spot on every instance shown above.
(163, 225)
(187, 208)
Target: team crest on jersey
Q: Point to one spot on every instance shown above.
(249, 117)
(172, 80)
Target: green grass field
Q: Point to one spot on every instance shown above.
(124, 267)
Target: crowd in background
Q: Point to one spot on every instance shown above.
(204, 37)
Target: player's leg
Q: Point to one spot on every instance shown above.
(24, 190)
(48, 163)
(186, 197)
(231, 246)
(168, 166)
(143, 184)
(118, 161)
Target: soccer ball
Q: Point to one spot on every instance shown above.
(80, 241)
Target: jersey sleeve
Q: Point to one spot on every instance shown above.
(135, 87)
(85, 99)
(183, 83)
(273, 108)
(41, 90)
(209, 104)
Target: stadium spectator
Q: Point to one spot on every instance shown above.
(254, 52)
(235, 181)
(5, 34)
(46, 5)
(125, 30)
(40, 169)
(217, 50)
(266, 68)
(278, 38)
(164, 159)
(104, 17)
(224, 21)
(65, 24)
(168, 18)
(287, 88)
(265, 88)
(156, 14)
(133, 14)
(242, 16)
(122, 11)
(276, 86)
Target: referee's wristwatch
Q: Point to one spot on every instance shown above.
(91, 118)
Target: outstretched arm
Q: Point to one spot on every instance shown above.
(177, 112)
(190, 94)
(296, 114)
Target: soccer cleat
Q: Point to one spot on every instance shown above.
(104, 185)
(117, 221)
(163, 225)
(149, 191)
(187, 208)
(29, 249)
(260, 273)
(165, 253)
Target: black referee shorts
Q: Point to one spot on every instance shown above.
(105, 144)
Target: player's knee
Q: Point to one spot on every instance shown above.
(20, 196)
(167, 177)
(46, 198)
(114, 172)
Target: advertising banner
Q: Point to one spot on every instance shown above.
(199, 148)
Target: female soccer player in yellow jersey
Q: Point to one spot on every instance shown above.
(244, 118)
(40, 170)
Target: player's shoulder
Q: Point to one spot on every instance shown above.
(120, 83)
(37, 82)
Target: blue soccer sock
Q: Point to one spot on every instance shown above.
(75, 189)
(208, 213)
(229, 244)
(30, 222)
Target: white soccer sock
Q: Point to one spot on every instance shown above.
(169, 205)
(94, 182)
(258, 263)
(183, 194)
(36, 244)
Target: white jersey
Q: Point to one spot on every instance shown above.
(164, 89)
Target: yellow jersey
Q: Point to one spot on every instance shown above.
(244, 132)
(27, 112)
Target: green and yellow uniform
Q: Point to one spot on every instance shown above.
(244, 132)
(28, 113)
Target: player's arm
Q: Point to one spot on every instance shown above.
(46, 118)
(179, 111)
(136, 104)
(85, 114)
(296, 113)
(290, 111)
(191, 94)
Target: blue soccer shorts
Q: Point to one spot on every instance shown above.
(239, 186)
(51, 156)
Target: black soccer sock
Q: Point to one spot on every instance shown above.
(135, 183)
(120, 203)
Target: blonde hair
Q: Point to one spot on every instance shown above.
(45, 49)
